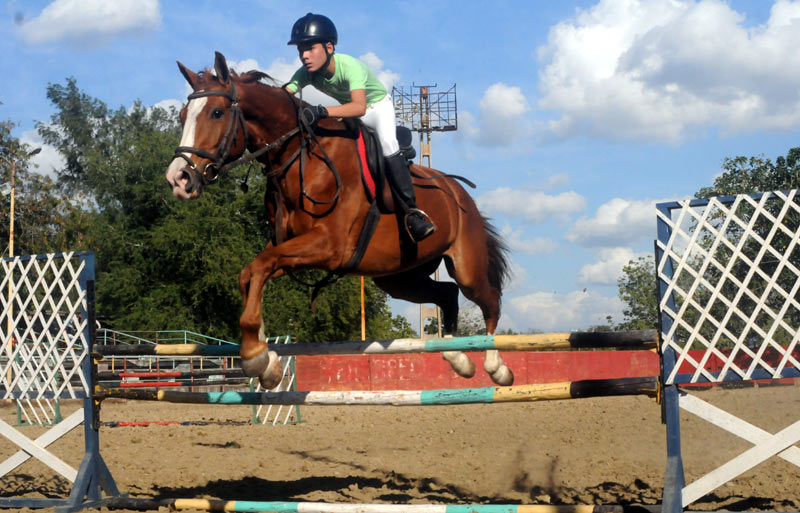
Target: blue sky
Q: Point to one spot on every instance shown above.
(574, 117)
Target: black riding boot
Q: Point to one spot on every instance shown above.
(417, 223)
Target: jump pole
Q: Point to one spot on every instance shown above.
(639, 339)
(648, 386)
(319, 507)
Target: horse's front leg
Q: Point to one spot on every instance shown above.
(302, 252)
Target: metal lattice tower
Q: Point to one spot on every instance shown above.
(425, 111)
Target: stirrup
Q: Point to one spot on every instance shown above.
(411, 212)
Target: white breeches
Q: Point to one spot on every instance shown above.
(380, 117)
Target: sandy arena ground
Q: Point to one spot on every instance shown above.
(589, 451)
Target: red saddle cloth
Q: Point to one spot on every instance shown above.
(366, 174)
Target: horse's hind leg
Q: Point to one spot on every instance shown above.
(476, 287)
(417, 286)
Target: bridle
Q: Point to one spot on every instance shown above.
(212, 170)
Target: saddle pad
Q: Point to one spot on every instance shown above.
(366, 173)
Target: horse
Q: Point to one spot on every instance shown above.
(317, 204)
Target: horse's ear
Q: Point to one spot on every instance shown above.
(221, 67)
(188, 74)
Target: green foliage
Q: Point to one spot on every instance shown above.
(637, 289)
(470, 320)
(336, 312)
(744, 175)
(166, 264)
(44, 220)
(608, 326)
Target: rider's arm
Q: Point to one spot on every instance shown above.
(356, 108)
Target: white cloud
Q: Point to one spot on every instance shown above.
(244, 66)
(387, 77)
(517, 277)
(556, 181)
(47, 160)
(169, 103)
(531, 206)
(535, 246)
(617, 222)
(91, 22)
(576, 310)
(608, 269)
(500, 121)
(661, 71)
(281, 70)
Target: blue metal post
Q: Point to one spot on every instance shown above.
(93, 474)
(674, 480)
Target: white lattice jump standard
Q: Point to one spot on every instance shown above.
(729, 277)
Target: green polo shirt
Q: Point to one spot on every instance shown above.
(350, 74)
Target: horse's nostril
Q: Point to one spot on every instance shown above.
(184, 178)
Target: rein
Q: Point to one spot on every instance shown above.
(211, 171)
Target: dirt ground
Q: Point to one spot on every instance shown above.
(589, 451)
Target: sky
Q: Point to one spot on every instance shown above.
(574, 118)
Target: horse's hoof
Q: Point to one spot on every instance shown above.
(266, 366)
(460, 362)
(503, 376)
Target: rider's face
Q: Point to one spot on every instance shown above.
(312, 56)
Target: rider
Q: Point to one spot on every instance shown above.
(361, 95)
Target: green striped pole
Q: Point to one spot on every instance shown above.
(319, 507)
(534, 342)
(522, 393)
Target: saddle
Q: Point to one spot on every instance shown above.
(373, 176)
(373, 165)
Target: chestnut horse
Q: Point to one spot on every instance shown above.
(316, 201)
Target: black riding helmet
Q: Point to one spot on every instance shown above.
(314, 28)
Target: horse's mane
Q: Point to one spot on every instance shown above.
(208, 77)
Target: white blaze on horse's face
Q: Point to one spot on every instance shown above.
(176, 176)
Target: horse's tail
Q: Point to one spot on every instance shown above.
(497, 249)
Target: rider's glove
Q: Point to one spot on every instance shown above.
(312, 114)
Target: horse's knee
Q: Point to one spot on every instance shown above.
(244, 280)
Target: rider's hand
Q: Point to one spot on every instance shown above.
(312, 114)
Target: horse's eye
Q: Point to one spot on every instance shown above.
(216, 113)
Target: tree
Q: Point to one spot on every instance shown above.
(44, 220)
(750, 175)
(744, 175)
(608, 326)
(637, 289)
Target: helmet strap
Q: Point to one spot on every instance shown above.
(329, 56)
